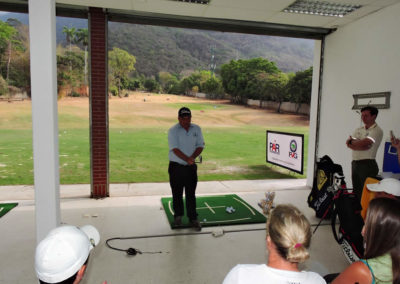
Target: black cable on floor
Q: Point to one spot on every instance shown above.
(134, 251)
(129, 251)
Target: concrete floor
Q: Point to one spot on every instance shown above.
(135, 210)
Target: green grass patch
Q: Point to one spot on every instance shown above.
(136, 153)
(141, 155)
(74, 153)
(16, 161)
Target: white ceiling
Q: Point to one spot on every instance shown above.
(245, 16)
(264, 11)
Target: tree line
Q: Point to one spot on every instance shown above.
(238, 80)
(14, 57)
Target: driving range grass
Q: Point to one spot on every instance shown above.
(16, 162)
(234, 153)
(139, 154)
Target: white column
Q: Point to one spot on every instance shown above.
(314, 109)
(42, 27)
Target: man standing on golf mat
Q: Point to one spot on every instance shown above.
(186, 142)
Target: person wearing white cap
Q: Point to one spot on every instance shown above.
(61, 257)
(388, 187)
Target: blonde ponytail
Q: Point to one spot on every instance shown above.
(290, 231)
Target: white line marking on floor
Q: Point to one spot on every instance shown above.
(251, 210)
(170, 209)
(209, 207)
(225, 221)
(222, 206)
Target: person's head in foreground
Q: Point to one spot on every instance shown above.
(382, 246)
(61, 257)
(388, 187)
(288, 240)
(289, 234)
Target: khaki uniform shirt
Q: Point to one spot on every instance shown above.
(374, 133)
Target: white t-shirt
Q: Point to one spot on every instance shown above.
(375, 134)
(262, 274)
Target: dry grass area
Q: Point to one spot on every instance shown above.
(143, 109)
(148, 110)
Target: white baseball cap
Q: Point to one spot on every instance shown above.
(63, 252)
(388, 185)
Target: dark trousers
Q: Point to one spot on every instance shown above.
(360, 170)
(183, 177)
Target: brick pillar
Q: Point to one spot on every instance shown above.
(98, 103)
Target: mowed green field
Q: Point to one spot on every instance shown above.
(235, 139)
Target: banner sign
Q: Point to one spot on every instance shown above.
(285, 150)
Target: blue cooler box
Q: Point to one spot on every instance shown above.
(390, 160)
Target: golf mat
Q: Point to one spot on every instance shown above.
(5, 207)
(217, 210)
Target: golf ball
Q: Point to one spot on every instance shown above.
(204, 220)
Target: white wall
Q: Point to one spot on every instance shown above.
(361, 57)
(312, 134)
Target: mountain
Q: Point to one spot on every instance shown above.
(172, 49)
(176, 50)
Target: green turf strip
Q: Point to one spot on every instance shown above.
(5, 207)
(212, 211)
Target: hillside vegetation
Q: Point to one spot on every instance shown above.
(187, 48)
(167, 60)
(174, 50)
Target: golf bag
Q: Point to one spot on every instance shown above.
(347, 208)
(330, 197)
(321, 195)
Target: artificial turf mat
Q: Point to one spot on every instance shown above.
(212, 211)
(5, 207)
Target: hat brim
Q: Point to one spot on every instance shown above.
(92, 233)
(376, 187)
(185, 114)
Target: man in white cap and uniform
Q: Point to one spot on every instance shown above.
(62, 256)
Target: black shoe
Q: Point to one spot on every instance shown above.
(177, 221)
(195, 225)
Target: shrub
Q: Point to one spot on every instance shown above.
(3, 86)
(213, 88)
(113, 90)
(74, 94)
(133, 84)
(195, 89)
(12, 90)
(151, 85)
